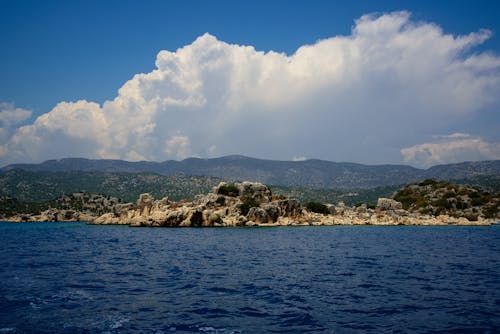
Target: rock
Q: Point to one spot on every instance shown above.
(258, 215)
(255, 190)
(209, 200)
(214, 219)
(362, 208)
(340, 208)
(145, 200)
(289, 207)
(388, 204)
(273, 212)
(225, 210)
(118, 209)
(331, 209)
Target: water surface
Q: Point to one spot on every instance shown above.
(74, 278)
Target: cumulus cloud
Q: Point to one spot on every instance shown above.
(456, 147)
(10, 115)
(178, 147)
(360, 97)
(9, 118)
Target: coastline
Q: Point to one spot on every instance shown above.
(250, 204)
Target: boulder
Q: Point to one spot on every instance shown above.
(120, 209)
(340, 208)
(362, 208)
(388, 204)
(145, 200)
(331, 209)
(259, 192)
(258, 215)
(273, 212)
(289, 207)
(209, 200)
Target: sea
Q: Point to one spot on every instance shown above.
(78, 278)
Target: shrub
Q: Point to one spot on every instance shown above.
(442, 203)
(221, 200)
(228, 190)
(317, 207)
(428, 182)
(425, 211)
(449, 194)
(474, 194)
(472, 217)
(248, 202)
(406, 200)
(491, 211)
(477, 201)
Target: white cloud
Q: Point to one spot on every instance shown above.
(178, 147)
(10, 115)
(352, 98)
(456, 135)
(453, 148)
(299, 159)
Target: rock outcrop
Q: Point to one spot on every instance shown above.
(388, 204)
(68, 208)
(252, 204)
(54, 215)
(436, 198)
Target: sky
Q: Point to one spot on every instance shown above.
(374, 82)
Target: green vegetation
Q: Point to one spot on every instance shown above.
(248, 202)
(317, 207)
(31, 192)
(349, 197)
(96, 204)
(228, 190)
(487, 183)
(43, 186)
(429, 182)
(221, 200)
(451, 199)
(11, 206)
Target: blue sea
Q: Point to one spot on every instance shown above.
(76, 278)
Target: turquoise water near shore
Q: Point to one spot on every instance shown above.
(76, 278)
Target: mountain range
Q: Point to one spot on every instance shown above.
(319, 174)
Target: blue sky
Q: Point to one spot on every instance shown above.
(55, 51)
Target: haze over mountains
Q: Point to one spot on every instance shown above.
(308, 173)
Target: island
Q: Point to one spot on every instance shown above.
(241, 204)
(253, 204)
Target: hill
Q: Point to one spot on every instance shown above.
(89, 204)
(437, 197)
(309, 173)
(33, 186)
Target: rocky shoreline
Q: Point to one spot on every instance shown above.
(252, 204)
(53, 215)
(74, 207)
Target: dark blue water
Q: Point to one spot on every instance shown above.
(73, 278)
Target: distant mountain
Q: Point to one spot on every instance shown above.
(22, 190)
(308, 173)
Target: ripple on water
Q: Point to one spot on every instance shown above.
(86, 279)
